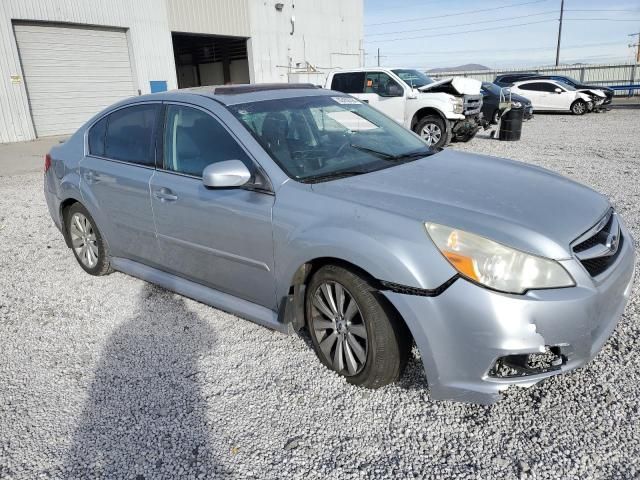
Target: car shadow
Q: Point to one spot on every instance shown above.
(145, 416)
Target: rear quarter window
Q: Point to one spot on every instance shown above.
(348, 82)
(130, 133)
(96, 137)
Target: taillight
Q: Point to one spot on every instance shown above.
(47, 162)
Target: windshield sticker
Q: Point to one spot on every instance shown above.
(351, 120)
(346, 100)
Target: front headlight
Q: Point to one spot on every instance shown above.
(458, 105)
(495, 265)
(516, 104)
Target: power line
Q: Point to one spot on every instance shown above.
(484, 50)
(463, 24)
(603, 19)
(457, 33)
(603, 10)
(456, 14)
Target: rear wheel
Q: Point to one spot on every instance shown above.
(433, 130)
(87, 243)
(579, 107)
(352, 331)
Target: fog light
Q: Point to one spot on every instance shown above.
(514, 366)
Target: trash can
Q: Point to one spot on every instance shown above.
(511, 125)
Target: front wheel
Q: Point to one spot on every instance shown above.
(579, 107)
(353, 332)
(434, 131)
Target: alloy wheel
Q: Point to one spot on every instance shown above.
(84, 240)
(579, 108)
(431, 133)
(339, 328)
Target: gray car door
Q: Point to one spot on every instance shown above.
(115, 175)
(221, 238)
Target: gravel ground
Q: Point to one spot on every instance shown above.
(114, 378)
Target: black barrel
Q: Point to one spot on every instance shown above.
(511, 125)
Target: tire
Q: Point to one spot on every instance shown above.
(579, 107)
(87, 243)
(366, 343)
(495, 118)
(433, 129)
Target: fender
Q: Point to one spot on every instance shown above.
(368, 253)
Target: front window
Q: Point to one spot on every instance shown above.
(317, 138)
(413, 78)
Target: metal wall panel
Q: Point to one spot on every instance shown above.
(216, 17)
(148, 36)
(305, 36)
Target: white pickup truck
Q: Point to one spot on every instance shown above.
(439, 112)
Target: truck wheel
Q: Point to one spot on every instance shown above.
(579, 107)
(434, 131)
(353, 332)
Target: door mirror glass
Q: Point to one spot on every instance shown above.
(393, 90)
(226, 174)
(558, 90)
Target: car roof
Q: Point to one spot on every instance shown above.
(238, 94)
(536, 79)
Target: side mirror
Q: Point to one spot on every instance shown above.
(558, 90)
(227, 174)
(393, 90)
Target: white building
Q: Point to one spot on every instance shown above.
(61, 61)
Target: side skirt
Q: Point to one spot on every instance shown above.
(223, 301)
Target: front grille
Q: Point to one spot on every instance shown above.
(596, 266)
(602, 246)
(472, 104)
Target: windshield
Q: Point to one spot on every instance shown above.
(491, 88)
(319, 137)
(568, 80)
(413, 78)
(567, 86)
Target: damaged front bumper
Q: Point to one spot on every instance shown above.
(468, 334)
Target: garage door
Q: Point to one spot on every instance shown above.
(71, 73)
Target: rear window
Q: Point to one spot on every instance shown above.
(130, 134)
(348, 82)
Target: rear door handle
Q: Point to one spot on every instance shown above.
(165, 195)
(91, 177)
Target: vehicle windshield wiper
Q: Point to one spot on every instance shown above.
(388, 156)
(333, 176)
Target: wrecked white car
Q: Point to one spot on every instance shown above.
(442, 111)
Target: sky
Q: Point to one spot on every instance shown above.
(498, 33)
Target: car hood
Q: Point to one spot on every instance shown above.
(463, 86)
(591, 91)
(519, 205)
(520, 98)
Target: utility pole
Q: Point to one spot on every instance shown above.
(559, 33)
(378, 56)
(637, 45)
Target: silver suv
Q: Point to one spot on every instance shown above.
(301, 207)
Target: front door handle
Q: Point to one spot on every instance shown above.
(165, 195)
(365, 101)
